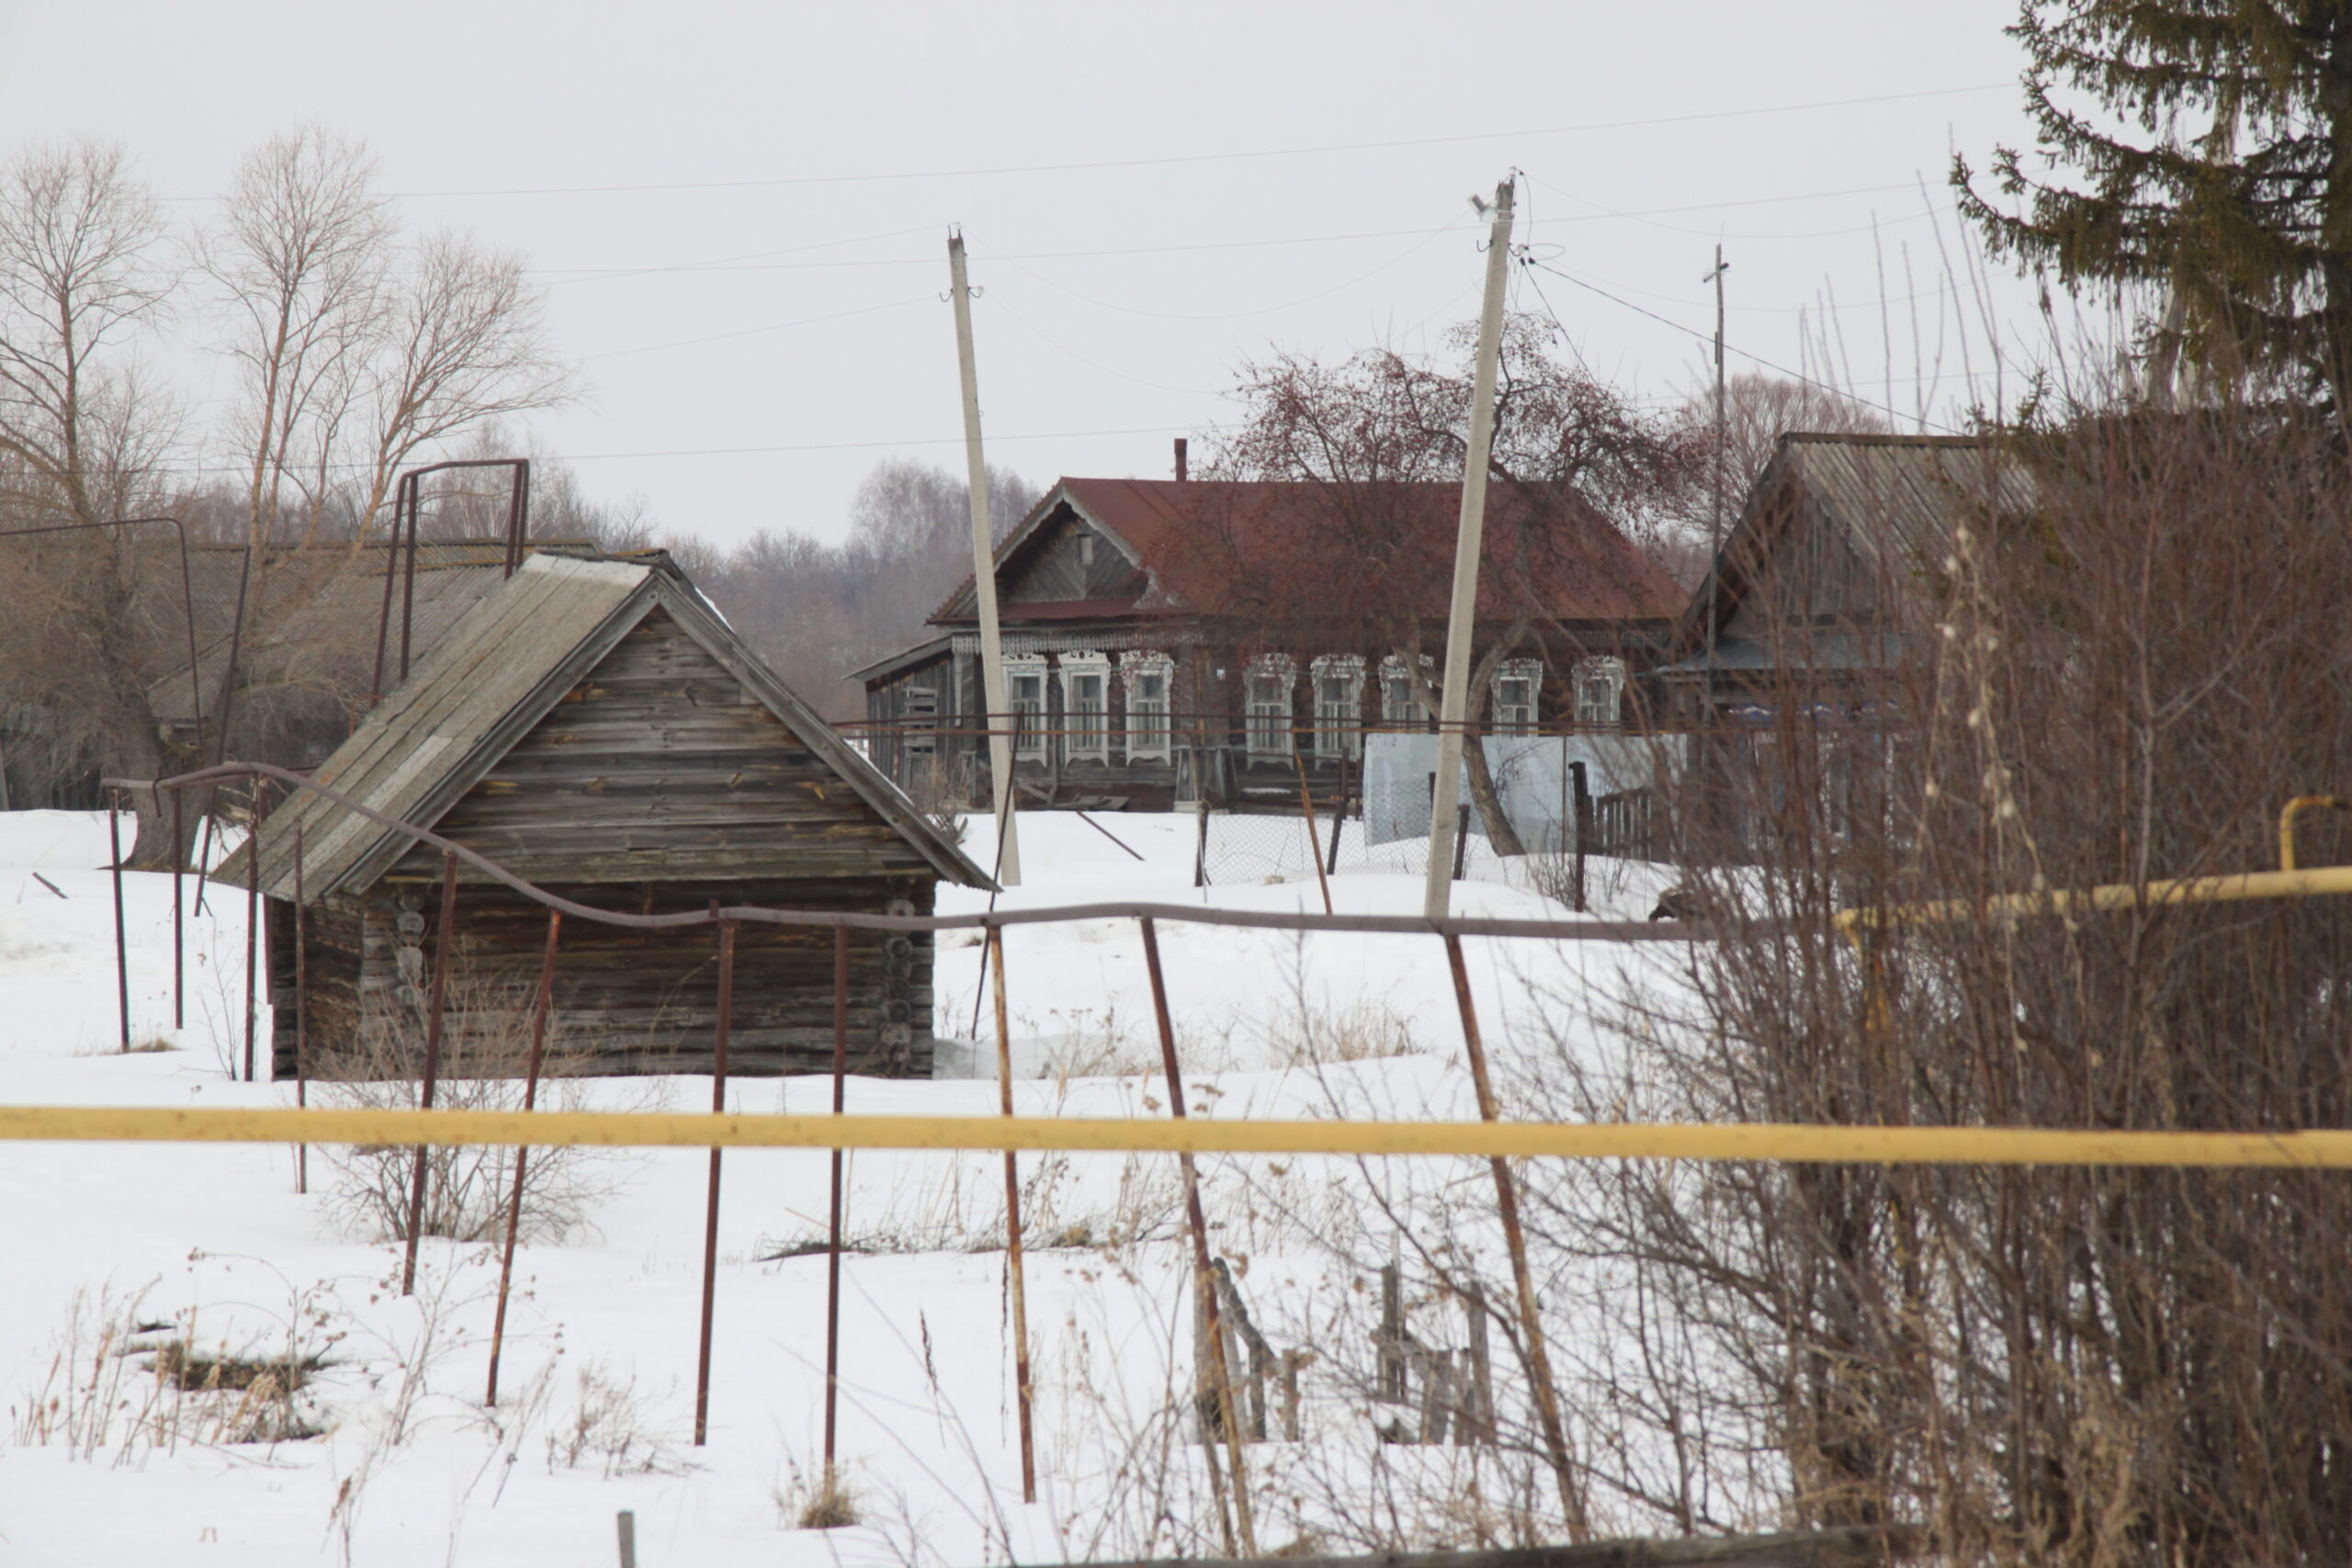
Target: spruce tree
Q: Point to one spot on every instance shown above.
(2200, 148)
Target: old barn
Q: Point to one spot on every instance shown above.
(593, 725)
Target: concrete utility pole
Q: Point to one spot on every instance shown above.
(1000, 710)
(1723, 440)
(1461, 625)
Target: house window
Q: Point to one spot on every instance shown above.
(1145, 677)
(1267, 699)
(1601, 689)
(1086, 550)
(1086, 704)
(1516, 685)
(1024, 689)
(1399, 709)
(1338, 704)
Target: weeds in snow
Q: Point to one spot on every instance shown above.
(467, 1189)
(606, 1430)
(120, 1378)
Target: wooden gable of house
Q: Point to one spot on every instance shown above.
(1069, 557)
(663, 763)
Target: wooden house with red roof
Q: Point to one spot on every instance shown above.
(1181, 641)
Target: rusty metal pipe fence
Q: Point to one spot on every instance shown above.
(1491, 1137)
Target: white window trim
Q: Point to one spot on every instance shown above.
(1029, 740)
(1347, 667)
(1074, 746)
(1283, 667)
(1529, 671)
(1611, 670)
(1392, 669)
(1132, 668)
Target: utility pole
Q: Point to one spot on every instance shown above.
(1461, 626)
(1000, 711)
(1722, 433)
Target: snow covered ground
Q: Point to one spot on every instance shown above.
(213, 1246)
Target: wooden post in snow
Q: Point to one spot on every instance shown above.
(1462, 621)
(1000, 710)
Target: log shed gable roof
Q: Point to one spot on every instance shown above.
(485, 687)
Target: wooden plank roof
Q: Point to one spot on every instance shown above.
(482, 687)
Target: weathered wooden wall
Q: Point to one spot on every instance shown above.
(1055, 566)
(625, 1001)
(660, 765)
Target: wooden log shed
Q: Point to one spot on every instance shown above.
(596, 729)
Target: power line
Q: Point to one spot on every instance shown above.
(749, 264)
(1709, 339)
(1192, 428)
(1258, 154)
(751, 331)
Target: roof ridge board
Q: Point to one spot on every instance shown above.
(810, 729)
(431, 798)
(416, 708)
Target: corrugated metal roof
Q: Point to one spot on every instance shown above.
(1589, 573)
(507, 662)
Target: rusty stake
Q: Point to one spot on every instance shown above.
(523, 1151)
(121, 947)
(444, 945)
(1014, 1277)
(1539, 1359)
(833, 1262)
(302, 1015)
(710, 1212)
(253, 931)
(1203, 1272)
(179, 945)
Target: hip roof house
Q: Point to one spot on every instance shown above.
(593, 725)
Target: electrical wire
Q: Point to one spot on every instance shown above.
(1318, 150)
(750, 332)
(1428, 236)
(1708, 338)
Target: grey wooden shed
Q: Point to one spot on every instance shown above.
(594, 727)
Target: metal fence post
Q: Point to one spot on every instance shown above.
(523, 1151)
(1015, 1280)
(710, 1211)
(444, 946)
(1531, 1317)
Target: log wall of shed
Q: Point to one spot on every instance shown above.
(625, 1001)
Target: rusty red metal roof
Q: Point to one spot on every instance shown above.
(1580, 565)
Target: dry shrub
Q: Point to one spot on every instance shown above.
(830, 1503)
(1363, 1032)
(484, 1052)
(608, 1429)
(2123, 680)
(117, 1379)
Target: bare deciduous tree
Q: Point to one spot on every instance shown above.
(1576, 468)
(299, 257)
(80, 443)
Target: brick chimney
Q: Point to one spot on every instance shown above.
(1180, 475)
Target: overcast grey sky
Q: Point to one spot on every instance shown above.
(738, 212)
